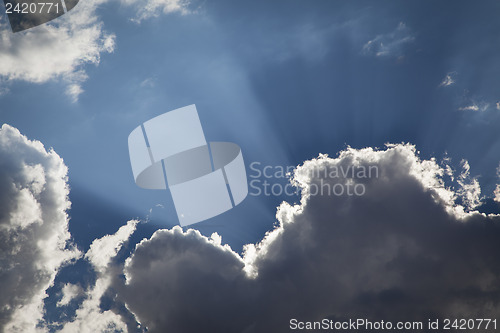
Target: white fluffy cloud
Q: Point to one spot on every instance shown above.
(35, 242)
(405, 250)
(55, 51)
(34, 237)
(62, 48)
(89, 317)
(497, 193)
(165, 273)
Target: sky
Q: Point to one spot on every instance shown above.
(407, 87)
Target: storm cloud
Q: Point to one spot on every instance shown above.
(404, 250)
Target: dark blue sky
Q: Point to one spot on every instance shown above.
(286, 80)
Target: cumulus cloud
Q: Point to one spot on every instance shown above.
(34, 237)
(404, 246)
(61, 49)
(404, 250)
(104, 249)
(35, 243)
(392, 44)
(90, 318)
(497, 193)
(58, 50)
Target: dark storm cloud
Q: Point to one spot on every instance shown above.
(402, 251)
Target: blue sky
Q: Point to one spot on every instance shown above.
(285, 80)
